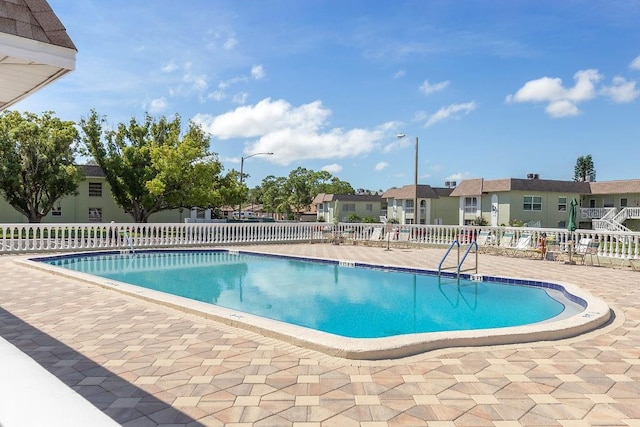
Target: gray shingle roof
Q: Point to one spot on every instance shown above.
(407, 192)
(616, 187)
(325, 197)
(475, 187)
(35, 20)
(94, 171)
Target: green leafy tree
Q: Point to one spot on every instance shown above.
(293, 194)
(299, 186)
(324, 182)
(274, 196)
(37, 162)
(152, 166)
(584, 168)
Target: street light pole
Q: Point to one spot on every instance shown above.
(416, 211)
(242, 159)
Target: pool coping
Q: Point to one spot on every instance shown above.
(596, 313)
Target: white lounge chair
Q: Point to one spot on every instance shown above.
(485, 241)
(506, 242)
(376, 234)
(522, 246)
(404, 235)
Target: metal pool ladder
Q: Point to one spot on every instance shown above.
(460, 260)
(129, 241)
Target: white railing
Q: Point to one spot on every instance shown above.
(627, 213)
(607, 224)
(597, 213)
(30, 238)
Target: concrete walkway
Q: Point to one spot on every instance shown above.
(145, 365)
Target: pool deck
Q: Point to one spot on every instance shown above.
(143, 364)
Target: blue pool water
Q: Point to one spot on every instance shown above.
(343, 300)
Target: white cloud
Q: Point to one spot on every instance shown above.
(635, 64)
(428, 88)
(169, 67)
(399, 74)
(622, 91)
(257, 72)
(230, 43)
(452, 111)
(198, 82)
(158, 105)
(398, 143)
(381, 166)
(562, 108)
(240, 98)
(332, 168)
(292, 133)
(561, 101)
(225, 84)
(457, 177)
(217, 95)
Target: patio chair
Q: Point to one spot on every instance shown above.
(404, 236)
(485, 241)
(587, 247)
(554, 251)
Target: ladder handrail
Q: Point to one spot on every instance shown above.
(455, 242)
(464, 256)
(460, 261)
(128, 240)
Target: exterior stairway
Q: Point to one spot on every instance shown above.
(614, 219)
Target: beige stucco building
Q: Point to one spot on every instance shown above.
(612, 205)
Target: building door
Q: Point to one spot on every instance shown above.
(494, 210)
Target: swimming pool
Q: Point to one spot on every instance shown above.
(398, 311)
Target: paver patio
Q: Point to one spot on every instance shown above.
(144, 364)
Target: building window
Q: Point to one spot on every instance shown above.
(349, 207)
(470, 204)
(56, 211)
(562, 224)
(369, 207)
(608, 203)
(95, 189)
(95, 214)
(562, 204)
(624, 202)
(532, 203)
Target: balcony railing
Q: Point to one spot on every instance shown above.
(594, 213)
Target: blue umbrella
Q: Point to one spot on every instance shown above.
(573, 215)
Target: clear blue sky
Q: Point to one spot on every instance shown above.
(493, 89)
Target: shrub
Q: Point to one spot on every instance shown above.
(480, 221)
(354, 217)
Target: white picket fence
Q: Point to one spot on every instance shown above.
(28, 238)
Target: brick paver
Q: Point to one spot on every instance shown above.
(145, 364)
